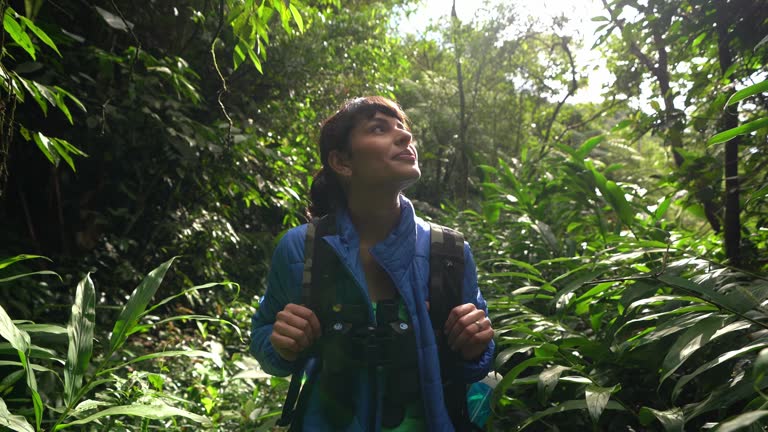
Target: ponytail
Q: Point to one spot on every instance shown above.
(325, 194)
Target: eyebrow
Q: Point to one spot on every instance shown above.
(379, 120)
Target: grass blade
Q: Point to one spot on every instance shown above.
(157, 411)
(80, 331)
(741, 130)
(8, 261)
(137, 304)
(23, 275)
(165, 354)
(747, 92)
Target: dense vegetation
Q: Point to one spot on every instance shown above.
(623, 245)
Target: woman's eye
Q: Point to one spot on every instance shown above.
(377, 129)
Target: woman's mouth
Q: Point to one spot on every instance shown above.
(406, 155)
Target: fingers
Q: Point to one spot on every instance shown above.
(309, 316)
(468, 330)
(456, 313)
(462, 317)
(294, 330)
(286, 347)
(477, 344)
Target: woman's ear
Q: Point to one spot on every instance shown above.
(340, 163)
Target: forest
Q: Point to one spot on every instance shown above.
(153, 152)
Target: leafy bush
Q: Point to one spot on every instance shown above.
(109, 383)
(608, 315)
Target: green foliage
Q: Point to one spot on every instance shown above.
(597, 302)
(90, 372)
(595, 225)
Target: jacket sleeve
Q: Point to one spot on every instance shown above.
(283, 287)
(478, 369)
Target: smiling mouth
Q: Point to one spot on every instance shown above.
(407, 154)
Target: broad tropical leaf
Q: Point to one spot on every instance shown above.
(597, 398)
(741, 421)
(157, 411)
(672, 420)
(696, 337)
(740, 130)
(82, 322)
(13, 422)
(136, 305)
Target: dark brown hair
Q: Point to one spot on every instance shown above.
(326, 193)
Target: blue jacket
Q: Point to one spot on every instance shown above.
(404, 255)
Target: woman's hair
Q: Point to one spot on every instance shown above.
(326, 193)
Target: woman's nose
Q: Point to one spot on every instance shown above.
(404, 138)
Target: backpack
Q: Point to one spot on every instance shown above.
(446, 278)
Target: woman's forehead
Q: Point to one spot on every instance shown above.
(378, 117)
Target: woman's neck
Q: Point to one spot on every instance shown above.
(374, 216)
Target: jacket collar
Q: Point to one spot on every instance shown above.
(396, 251)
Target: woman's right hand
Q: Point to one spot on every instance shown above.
(295, 329)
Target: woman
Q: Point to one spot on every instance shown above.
(368, 159)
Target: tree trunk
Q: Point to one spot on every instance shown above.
(462, 149)
(732, 231)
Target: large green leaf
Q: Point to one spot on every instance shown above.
(46, 146)
(510, 376)
(752, 90)
(39, 33)
(588, 145)
(157, 411)
(18, 339)
(13, 28)
(297, 17)
(13, 422)
(565, 406)
(741, 421)
(722, 358)
(696, 337)
(672, 420)
(136, 305)
(548, 379)
(597, 398)
(740, 130)
(82, 322)
(728, 302)
(619, 202)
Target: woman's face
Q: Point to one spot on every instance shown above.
(381, 153)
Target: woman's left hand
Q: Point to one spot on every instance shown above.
(468, 330)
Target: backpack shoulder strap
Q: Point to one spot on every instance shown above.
(318, 264)
(315, 295)
(446, 285)
(446, 273)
